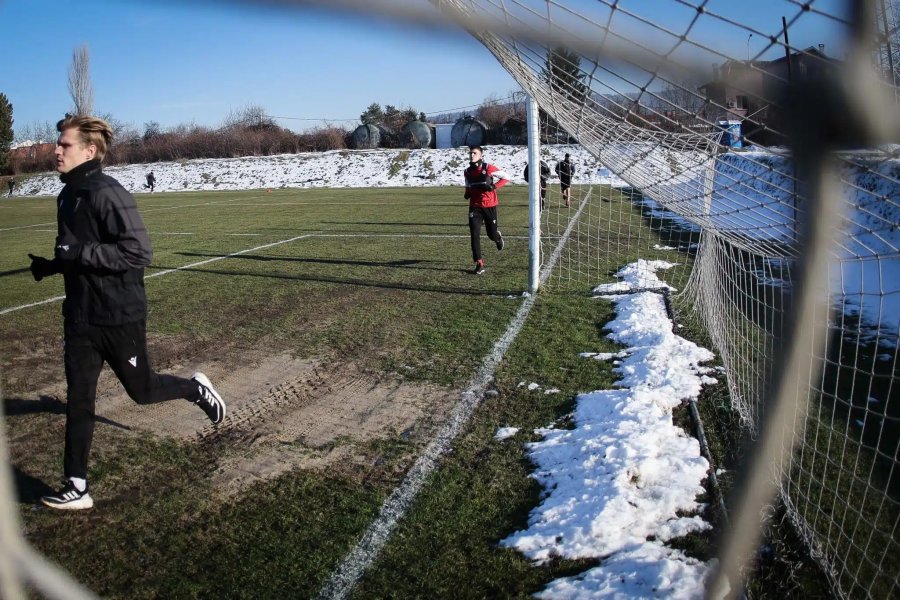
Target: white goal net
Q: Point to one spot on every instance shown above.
(768, 166)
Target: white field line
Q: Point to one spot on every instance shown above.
(143, 212)
(27, 226)
(167, 271)
(348, 572)
(399, 235)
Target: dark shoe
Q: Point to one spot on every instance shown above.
(69, 498)
(479, 267)
(499, 241)
(210, 400)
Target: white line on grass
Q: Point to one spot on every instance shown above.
(349, 571)
(143, 212)
(27, 226)
(167, 271)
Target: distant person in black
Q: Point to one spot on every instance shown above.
(151, 181)
(545, 174)
(566, 170)
(102, 247)
(12, 185)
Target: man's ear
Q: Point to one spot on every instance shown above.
(92, 151)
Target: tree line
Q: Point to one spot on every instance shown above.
(250, 131)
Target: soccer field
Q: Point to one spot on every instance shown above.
(308, 271)
(342, 327)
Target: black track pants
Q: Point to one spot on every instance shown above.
(124, 349)
(477, 216)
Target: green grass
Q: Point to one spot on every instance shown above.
(483, 491)
(378, 279)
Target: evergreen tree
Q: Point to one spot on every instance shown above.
(6, 129)
(562, 70)
(373, 115)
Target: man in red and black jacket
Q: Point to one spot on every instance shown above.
(482, 182)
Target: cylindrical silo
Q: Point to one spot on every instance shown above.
(366, 137)
(468, 131)
(416, 134)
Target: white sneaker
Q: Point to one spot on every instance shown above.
(69, 498)
(210, 400)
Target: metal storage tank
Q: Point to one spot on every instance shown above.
(514, 132)
(416, 134)
(366, 137)
(468, 131)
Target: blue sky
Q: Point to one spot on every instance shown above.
(173, 63)
(183, 62)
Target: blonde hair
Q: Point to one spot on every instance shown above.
(91, 130)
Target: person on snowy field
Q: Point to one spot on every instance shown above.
(545, 174)
(482, 182)
(151, 181)
(101, 250)
(566, 170)
(12, 185)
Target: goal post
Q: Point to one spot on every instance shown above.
(534, 196)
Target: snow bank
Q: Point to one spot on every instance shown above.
(337, 168)
(618, 482)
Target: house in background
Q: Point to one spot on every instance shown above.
(24, 157)
(751, 91)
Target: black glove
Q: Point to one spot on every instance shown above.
(491, 187)
(466, 195)
(68, 251)
(41, 267)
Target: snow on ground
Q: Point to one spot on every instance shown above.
(504, 433)
(753, 194)
(616, 484)
(337, 168)
(752, 199)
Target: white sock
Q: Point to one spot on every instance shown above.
(80, 484)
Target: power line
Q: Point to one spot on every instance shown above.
(433, 112)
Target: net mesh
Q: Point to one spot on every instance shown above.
(621, 87)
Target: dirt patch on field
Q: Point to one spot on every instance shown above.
(284, 413)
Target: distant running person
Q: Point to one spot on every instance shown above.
(12, 185)
(101, 250)
(566, 170)
(482, 182)
(151, 181)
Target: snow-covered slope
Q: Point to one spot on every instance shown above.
(337, 168)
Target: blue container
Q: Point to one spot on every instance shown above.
(731, 136)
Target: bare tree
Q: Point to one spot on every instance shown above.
(681, 103)
(494, 111)
(80, 86)
(251, 116)
(37, 132)
(887, 24)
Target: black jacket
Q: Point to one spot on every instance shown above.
(105, 280)
(565, 169)
(545, 172)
